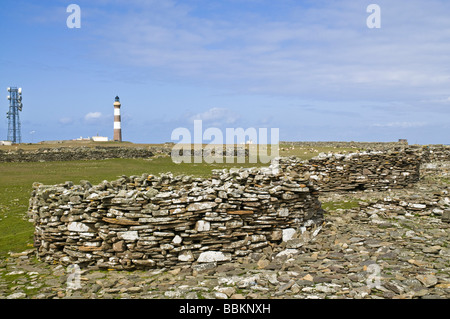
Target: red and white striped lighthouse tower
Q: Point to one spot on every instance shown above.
(117, 126)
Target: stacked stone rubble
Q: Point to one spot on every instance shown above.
(435, 204)
(162, 221)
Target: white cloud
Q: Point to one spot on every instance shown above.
(216, 116)
(444, 100)
(65, 120)
(400, 124)
(92, 116)
(323, 52)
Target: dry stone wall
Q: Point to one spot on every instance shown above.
(161, 221)
(374, 146)
(436, 153)
(357, 171)
(73, 154)
(104, 152)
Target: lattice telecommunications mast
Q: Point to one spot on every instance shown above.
(15, 105)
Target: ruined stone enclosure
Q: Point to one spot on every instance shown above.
(165, 221)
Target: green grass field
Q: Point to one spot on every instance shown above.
(16, 179)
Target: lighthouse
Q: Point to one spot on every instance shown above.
(117, 127)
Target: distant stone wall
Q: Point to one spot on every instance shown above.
(436, 153)
(104, 152)
(436, 169)
(432, 152)
(375, 146)
(73, 154)
(162, 221)
(357, 171)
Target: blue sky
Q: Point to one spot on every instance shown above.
(313, 69)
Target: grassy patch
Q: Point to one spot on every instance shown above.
(333, 206)
(200, 295)
(305, 153)
(15, 230)
(31, 285)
